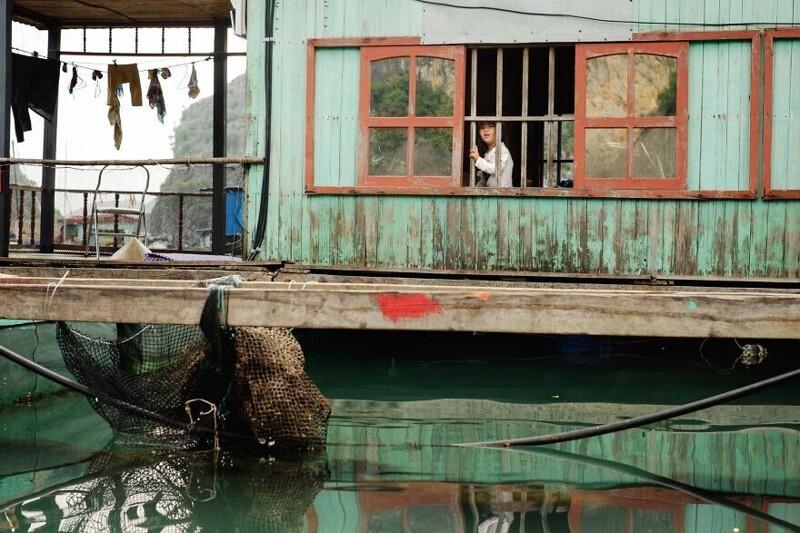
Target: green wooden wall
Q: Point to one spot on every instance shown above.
(740, 238)
(786, 114)
(690, 15)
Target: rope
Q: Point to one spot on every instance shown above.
(640, 420)
(217, 294)
(48, 298)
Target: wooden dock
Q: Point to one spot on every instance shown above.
(296, 297)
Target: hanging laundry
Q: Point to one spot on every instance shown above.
(34, 85)
(165, 73)
(74, 81)
(118, 75)
(194, 90)
(155, 95)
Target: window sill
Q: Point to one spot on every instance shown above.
(534, 192)
(782, 195)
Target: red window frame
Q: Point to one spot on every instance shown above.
(410, 122)
(679, 50)
(769, 67)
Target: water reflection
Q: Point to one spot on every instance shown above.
(229, 492)
(187, 492)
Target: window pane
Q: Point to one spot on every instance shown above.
(655, 85)
(433, 152)
(436, 86)
(647, 520)
(388, 151)
(600, 517)
(389, 88)
(654, 152)
(607, 86)
(605, 152)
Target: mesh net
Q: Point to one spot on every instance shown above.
(254, 377)
(272, 391)
(154, 367)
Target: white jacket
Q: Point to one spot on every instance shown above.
(487, 165)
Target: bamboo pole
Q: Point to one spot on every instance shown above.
(124, 162)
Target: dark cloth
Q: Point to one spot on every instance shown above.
(34, 85)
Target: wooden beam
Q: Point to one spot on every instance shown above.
(743, 314)
(100, 162)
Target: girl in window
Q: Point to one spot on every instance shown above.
(487, 164)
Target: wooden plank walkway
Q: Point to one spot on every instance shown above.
(633, 310)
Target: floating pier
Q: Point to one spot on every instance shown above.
(291, 296)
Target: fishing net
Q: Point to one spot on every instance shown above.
(272, 391)
(155, 367)
(200, 380)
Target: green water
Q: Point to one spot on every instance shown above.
(400, 404)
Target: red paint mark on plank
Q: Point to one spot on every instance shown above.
(407, 306)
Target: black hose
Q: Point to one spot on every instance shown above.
(641, 420)
(101, 397)
(261, 224)
(692, 491)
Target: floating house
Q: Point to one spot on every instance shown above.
(645, 142)
(647, 138)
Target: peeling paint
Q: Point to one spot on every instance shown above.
(397, 307)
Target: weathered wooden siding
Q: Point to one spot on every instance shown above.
(698, 15)
(719, 116)
(786, 114)
(627, 236)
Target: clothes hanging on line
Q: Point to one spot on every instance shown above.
(194, 90)
(155, 96)
(34, 86)
(118, 75)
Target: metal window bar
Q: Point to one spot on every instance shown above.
(523, 172)
(498, 128)
(549, 126)
(472, 111)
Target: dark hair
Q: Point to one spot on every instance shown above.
(482, 146)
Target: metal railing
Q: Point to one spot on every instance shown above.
(179, 216)
(72, 231)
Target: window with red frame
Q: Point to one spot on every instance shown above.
(631, 115)
(411, 116)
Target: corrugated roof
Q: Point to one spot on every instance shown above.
(116, 13)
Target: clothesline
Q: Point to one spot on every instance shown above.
(92, 68)
(36, 81)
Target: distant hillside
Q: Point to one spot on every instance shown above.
(194, 138)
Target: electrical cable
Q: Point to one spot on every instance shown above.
(690, 490)
(640, 420)
(611, 21)
(261, 224)
(99, 396)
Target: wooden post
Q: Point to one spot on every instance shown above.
(5, 120)
(49, 152)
